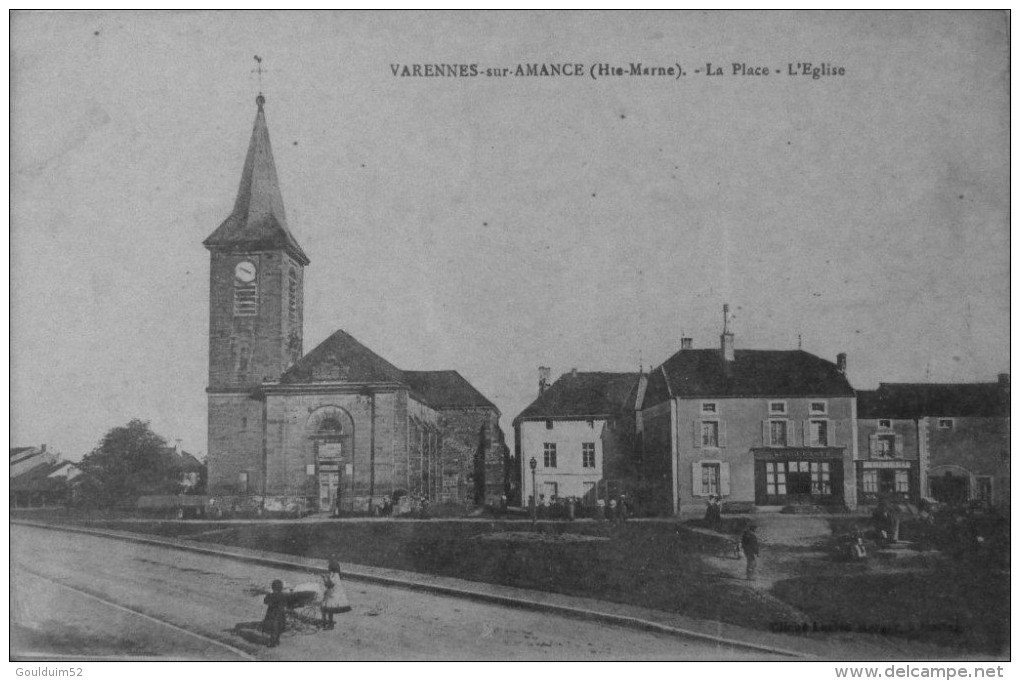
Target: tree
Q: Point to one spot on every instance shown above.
(129, 462)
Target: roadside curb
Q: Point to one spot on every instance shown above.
(424, 583)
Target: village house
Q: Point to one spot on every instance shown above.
(341, 426)
(945, 441)
(39, 477)
(578, 433)
(765, 428)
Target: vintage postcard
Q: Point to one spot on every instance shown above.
(511, 336)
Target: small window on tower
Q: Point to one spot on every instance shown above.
(292, 302)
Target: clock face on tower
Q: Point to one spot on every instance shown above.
(245, 272)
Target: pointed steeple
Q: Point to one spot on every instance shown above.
(258, 221)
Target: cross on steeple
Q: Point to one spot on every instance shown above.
(259, 70)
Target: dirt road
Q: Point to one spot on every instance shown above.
(83, 595)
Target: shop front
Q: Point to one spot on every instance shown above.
(886, 480)
(791, 476)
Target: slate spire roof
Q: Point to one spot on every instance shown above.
(258, 221)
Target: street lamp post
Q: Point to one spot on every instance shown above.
(534, 492)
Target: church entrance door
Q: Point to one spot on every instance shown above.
(329, 490)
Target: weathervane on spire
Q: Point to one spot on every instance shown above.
(260, 100)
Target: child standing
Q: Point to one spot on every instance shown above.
(334, 600)
(276, 613)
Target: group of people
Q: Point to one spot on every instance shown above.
(334, 602)
(615, 509)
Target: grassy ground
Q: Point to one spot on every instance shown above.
(662, 565)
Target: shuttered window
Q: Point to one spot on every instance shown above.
(246, 298)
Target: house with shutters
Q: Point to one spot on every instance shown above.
(766, 428)
(578, 430)
(944, 441)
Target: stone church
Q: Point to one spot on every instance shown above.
(340, 426)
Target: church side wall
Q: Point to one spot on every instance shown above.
(474, 456)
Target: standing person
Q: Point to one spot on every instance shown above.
(571, 510)
(334, 600)
(749, 543)
(624, 508)
(611, 511)
(275, 620)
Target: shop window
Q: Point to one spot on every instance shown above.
(549, 455)
(818, 433)
(709, 433)
(821, 482)
(903, 482)
(588, 455)
(870, 481)
(775, 478)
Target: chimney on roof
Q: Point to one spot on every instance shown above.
(43, 448)
(686, 343)
(573, 372)
(543, 379)
(841, 363)
(727, 336)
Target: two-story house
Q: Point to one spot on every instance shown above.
(890, 459)
(946, 441)
(570, 431)
(759, 427)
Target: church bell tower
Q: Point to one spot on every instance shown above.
(256, 317)
(256, 279)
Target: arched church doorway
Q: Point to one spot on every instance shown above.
(331, 438)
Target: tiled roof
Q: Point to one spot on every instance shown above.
(355, 362)
(918, 400)
(704, 373)
(445, 389)
(17, 451)
(584, 393)
(37, 479)
(341, 357)
(258, 221)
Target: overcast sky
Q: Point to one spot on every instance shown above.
(492, 225)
